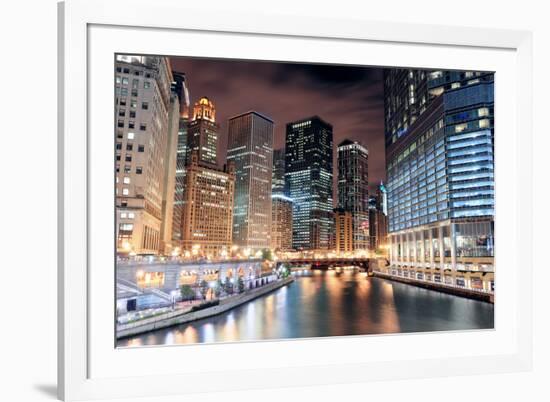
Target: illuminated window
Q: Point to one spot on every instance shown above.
(460, 127)
(125, 191)
(130, 136)
(126, 180)
(483, 112)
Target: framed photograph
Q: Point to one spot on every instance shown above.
(251, 201)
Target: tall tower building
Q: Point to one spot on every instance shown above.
(143, 141)
(169, 185)
(378, 222)
(308, 181)
(281, 222)
(278, 176)
(353, 183)
(383, 196)
(208, 216)
(179, 87)
(343, 231)
(202, 133)
(281, 206)
(250, 148)
(406, 97)
(440, 182)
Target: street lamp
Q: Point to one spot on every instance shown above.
(175, 252)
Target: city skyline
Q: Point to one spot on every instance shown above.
(350, 98)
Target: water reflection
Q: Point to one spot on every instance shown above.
(331, 304)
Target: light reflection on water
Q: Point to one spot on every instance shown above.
(330, 304)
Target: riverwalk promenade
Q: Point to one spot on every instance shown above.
(185, 315)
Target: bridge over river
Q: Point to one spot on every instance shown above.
(155, 281)
(363, 263)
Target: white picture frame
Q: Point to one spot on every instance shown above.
(89, 365)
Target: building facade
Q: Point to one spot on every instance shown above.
(169, 185)
(250, 148)
(278, 175)
(353, 183)
(202, 133)
(378, 222)
(281, 223)
(208, 215)
(343, 231)
(406, 97)
(308, 182)
(441, 185)
(179, 86)
(143, 141)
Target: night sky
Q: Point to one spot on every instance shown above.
(350, 98)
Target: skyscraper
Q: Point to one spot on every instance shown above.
(281, 222)
(250, 148)
(202, 133)
(281, 206)
(169, 185)
(142, 87)
(353, 183)
(383, 196)
(179, 86)
(441, 184)
(278, 176)
(208, 216)
(343, 231)
(378, 221)
(308, 181)
(406, 97)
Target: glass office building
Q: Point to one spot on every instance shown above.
(250, 148)
(308, 182)
(405, 98)
(278, 174)
(441, 185)
(179, 86)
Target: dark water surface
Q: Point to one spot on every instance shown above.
(331, 304)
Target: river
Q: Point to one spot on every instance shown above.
(327, 303)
